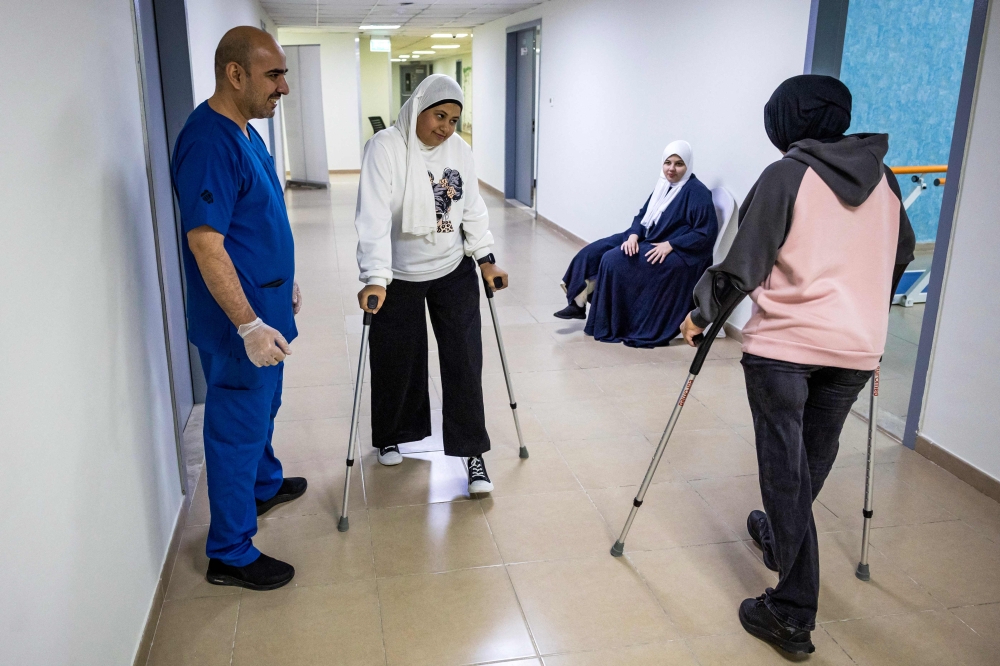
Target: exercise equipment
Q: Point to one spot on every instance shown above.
(343, 525)
(912, 288)
(498, 283)
(704, 342)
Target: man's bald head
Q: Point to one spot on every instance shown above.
(250, 71)
(240, 45)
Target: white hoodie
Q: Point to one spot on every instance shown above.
(384, 250)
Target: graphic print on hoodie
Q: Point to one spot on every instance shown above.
(821, 237)
(446, 190)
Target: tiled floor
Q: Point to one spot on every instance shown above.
(428, 575)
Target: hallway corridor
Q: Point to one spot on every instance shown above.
(428, 575)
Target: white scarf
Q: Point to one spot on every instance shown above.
(665, 191)
(419, 216)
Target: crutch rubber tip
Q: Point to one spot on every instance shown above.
(618, 549)
(343, 525)
(523, 453)
(863, 572)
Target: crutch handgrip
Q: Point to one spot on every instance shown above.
(372, 304)
(704, 340)
(498, 282)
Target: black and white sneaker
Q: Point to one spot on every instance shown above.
(479, 480)
(389, 455)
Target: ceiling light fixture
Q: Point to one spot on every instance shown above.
(424, 52)
(396, 60)
(404, 57)
(378, 27)
(461, 35)
(415, 57)
(446, 46)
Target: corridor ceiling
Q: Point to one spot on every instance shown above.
(414, 18)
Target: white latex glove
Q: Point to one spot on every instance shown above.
(296, 298)
(265, 345)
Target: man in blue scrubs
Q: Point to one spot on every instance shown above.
(240, 265)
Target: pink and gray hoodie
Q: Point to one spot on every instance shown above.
(823, 240)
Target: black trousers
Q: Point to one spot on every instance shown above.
(798, 414)
(401, 407)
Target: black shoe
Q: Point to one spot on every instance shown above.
(757, 527)
(390, 455)
(571, 311)
(264, 573)
(761, 622)
(479, 480)
(291, 488)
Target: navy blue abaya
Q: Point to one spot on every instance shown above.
(639, 303)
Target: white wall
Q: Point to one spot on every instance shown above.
(208, 21)
(341, 101)
(376, 87)
(625, 81)
(963, 390)
(90, 490)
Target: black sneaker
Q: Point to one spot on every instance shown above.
(292, 488)
(389, 455)
(264, 573)
(571, 311)
(479, 480)
(761, 622)
(757, 527)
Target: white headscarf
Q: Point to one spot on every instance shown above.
(419, 216)
(665, 191)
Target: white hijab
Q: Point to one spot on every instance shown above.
(419, 216)
(665, 191)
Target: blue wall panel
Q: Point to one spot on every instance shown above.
(903, 63)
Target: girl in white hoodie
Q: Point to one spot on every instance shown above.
(422, 227)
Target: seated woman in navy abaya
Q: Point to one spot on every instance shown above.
(639, 282)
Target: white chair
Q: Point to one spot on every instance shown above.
(726, 211)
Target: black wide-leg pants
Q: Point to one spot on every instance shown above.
(401, 407)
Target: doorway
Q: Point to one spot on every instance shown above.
(521, 123)
(410, 77)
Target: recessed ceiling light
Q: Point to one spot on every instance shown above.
(424, 52)
(446, 46)
(404, 57)
(378, 27)
(396, 60)
(415, 57)
(462, 34)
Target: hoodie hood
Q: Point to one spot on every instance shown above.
(851, 166)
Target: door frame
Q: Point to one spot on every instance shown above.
(510, 133)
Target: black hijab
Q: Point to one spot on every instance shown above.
(809, 106)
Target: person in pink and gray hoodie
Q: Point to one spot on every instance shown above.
(823, 240)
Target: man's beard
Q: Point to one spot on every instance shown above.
(260, 108)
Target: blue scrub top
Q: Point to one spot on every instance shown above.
(228, 182)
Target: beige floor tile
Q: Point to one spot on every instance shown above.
(702, 587)
(554, 386)
(325, 493)
(672, 515)
(316, 402)
(984, 620)
(611, 462)
(294, 441)
(546, 527)
(422, 478)
(442, 619)
(843, 597)
(187, 581)
(673, 653)
(707, 454)
(949, 560)
(647, 419)
(503, 433)
(544, 471)
(590, 604)
(593, 354)
(743, 649)
(896, 502)
(641, 381)
(431, 538)
(315, 369)
(200, 512)
(324, 624)
(195, 632)
(729, 404)
(930, 638)
(583, 419)
(320, 554)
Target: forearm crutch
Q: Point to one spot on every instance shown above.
(704, 344)
(344, 524)
(863, 572)
(498, 283)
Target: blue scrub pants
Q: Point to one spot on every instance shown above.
(240, 407)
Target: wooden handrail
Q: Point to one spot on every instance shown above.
(930, 168)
